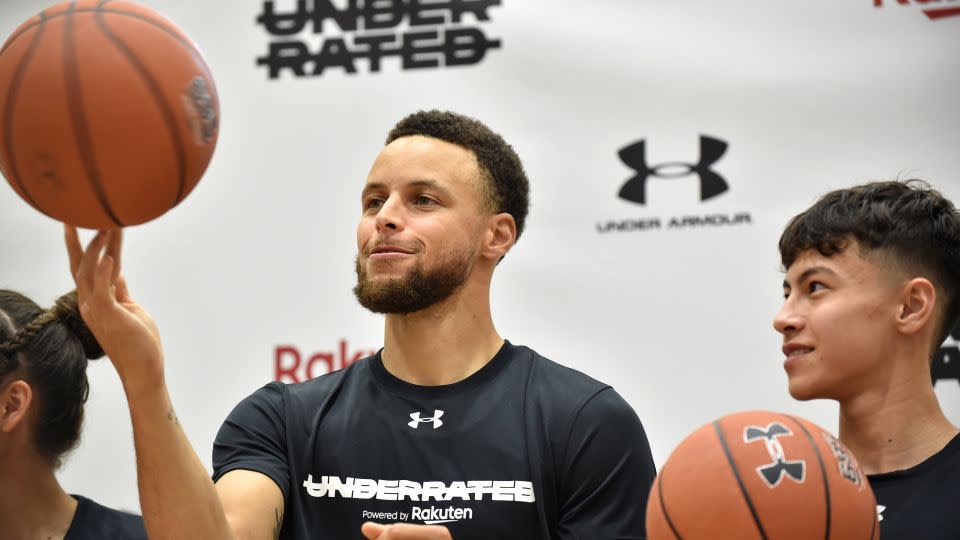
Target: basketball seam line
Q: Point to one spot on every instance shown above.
(823, 471)
(13, 37)
(168, 115)
(8, 115)
(80, 125)
(736, 474)
(190, 46)
(663, 505)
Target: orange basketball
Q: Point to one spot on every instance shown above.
(761, 475)
(108, 113)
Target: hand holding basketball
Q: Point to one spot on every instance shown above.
(761, 475)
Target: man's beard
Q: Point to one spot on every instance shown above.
(416, 291)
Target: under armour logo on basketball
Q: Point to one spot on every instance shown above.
(774, 472)
(711, 183)
(417, 420)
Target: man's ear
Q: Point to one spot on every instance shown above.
(15, 401)
(918, 306)
(500, 235)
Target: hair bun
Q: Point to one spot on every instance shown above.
(67, 310)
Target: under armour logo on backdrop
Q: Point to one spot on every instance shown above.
(711, 183)
(774, 472)
(417, 420)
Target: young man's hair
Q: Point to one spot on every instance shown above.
(505, 189)
(49, 349)
(908, 223)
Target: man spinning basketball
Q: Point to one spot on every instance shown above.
(448, 424)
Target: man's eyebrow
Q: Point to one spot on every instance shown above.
(370, 186)
(424, 182)
(809, 272)
(430, 183)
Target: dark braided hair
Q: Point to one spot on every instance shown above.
(49, 349)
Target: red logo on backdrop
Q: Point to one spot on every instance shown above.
(932, 8)
(293, 365)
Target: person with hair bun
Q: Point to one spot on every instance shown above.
(43, 387)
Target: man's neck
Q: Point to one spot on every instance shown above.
(897, 426)
(444, 343)
(32, 503)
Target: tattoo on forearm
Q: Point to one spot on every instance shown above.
(276, 528)
(171, 416)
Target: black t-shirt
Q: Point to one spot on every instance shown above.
(923, 502)
(524, 448)
(96, 522)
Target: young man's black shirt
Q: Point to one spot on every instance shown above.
(922, 502)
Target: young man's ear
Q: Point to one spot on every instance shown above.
(918, 306)
(500, 236)
(15, 401)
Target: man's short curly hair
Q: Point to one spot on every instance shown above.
(911, 224)
(506, 189)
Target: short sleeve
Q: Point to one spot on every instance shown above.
(607, 474)
(253, 437)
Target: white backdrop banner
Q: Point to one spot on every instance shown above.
(667, 142)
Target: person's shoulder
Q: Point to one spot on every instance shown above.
(317, 387)
(93, 520)
(555, 378)
(323, 384)
(946, 462)
(302, 399)
(562, 393)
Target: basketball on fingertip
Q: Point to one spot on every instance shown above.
(761, 475)
(108, 113)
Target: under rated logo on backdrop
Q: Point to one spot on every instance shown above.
(711, 183)
(946, 361)
(420, 33)
(933, 9)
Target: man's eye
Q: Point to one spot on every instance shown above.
(816, 286)
(423, 200)
(372, 203)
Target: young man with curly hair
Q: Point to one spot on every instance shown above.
(872, 289)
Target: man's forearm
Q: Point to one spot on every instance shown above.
(177, 498)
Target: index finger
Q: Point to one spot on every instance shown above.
(74, 249)
(114, 243)
(89, 260)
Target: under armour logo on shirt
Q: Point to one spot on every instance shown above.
(774, 472)
(417, 420)
(880, 509)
